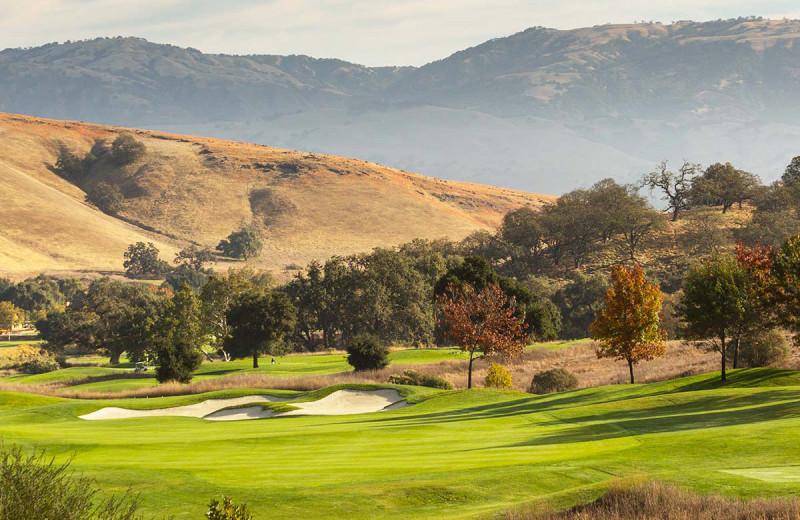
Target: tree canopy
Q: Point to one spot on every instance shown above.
(629, 326)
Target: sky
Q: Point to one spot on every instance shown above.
(370, 32)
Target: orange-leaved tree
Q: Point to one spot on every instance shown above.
(629, 327)
(482, 322)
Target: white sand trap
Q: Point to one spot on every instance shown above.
(198, 410)
(341, 402)
(239, 414)
(351, 402)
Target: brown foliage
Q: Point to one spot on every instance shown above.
(482, 321)
(628, 328)
(654, 501)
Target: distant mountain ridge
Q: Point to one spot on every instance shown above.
(541, 110)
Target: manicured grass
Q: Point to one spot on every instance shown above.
(453, 454)
(15, 343)
(287, 366)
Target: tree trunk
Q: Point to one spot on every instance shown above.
(723, 348)
(630, 369)
(114, 358)
(675, 212)
(255, 359)
(469, 376)
(736, 352)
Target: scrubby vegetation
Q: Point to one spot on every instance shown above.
(659, 501)
(554, 380)
(412, 377)
(498, 376)
(35, 486)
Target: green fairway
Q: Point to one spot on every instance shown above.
(451, 455)
(118, 377)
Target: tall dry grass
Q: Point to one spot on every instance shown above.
(654, 501)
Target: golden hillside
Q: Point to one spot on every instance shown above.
(194, 189)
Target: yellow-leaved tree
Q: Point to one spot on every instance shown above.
(629, 327)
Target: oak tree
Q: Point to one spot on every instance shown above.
(716, 300)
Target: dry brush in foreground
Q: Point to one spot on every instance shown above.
(655, 501)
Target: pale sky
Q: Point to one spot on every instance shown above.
(371, 32)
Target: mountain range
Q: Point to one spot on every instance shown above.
(543, 110)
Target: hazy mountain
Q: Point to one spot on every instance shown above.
(541, 110)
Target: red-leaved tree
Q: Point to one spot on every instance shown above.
(482, 322)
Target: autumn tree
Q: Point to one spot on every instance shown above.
(787, 277)
(716, 300)
(482, 321)
(762, 298)
(675, 186)
(629, 327)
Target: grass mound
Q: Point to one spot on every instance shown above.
(655, 501)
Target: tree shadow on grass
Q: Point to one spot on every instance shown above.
(642, 424)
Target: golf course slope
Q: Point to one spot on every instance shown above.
(452, 454)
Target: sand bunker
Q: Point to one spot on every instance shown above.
(350, 402)
(341, 402)
(198, 410)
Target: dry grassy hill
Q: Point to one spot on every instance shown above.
(197, 190)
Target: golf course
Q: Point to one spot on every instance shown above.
(449, 454)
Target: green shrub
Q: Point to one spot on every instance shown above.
(555, 380)
(40, 365)
(227, 510)
(366, 352)
(34, 487)
(499, 377)
(106, 197)
(764, 349)
(414, 378)
(126, 149)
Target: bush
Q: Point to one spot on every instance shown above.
(555, 380)
(106, 197)
(764, 349)
(241, 244)
(69, 166)
(499, 377)
(227, 510)
(414, 378)
(366, 352)
(40, 365)
(33, 486)
(126, 149)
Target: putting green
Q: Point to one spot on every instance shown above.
(454, 454)
(778, 474)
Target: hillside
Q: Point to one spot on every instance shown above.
(541, 110)
(198, 190)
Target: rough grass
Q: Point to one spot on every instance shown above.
(656, 501)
